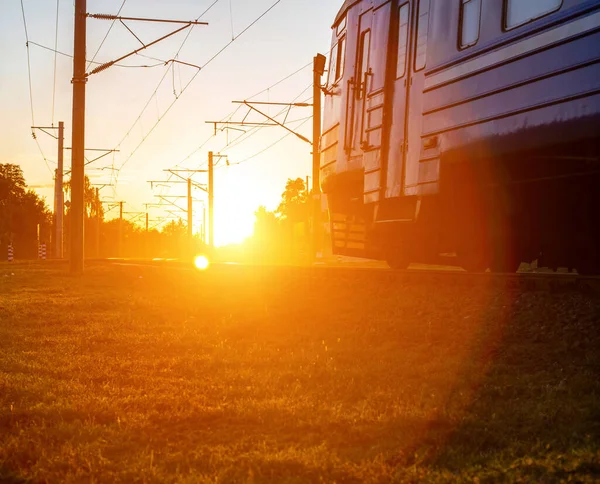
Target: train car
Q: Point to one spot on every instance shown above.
(465, 132)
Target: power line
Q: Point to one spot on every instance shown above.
(241, 33)
(192, 80)
(114, 177)
(253, 131)
(28, 63)
(271, 145)
(55, 56)
(234, 112)
(31, 88)
(231, 18)
(162, 62)
(281, 80)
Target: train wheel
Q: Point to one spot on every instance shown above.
(590, 266)
(397, 261)
(397, 256)
(503, 257)
(503, 239)
(473, 258)
(503, 262)
(473, 263)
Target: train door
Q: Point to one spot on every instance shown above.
(359, 82)
(400, 58)
(374, 71)
(413, 170)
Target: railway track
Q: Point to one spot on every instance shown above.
(527, 280)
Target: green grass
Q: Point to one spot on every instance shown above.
(152, 375)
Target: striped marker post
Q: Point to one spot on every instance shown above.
(11, 255)
(42, 251)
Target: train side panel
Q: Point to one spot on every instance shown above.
(458, 126)
(516, 90)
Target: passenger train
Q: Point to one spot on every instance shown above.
(465, 132)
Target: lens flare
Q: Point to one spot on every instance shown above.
(201, 262)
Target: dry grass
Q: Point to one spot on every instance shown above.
(146, 375)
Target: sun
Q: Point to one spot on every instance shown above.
(201, 262)
(234, 223)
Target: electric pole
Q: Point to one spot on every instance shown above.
(59, 196)
(59, 208)
(78, 144)
(190, 217)
(319, 69)
(319, 62)
(211, 201)
(98, 222)
(121, 229)
(78, 141)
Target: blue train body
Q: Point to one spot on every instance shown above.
(465, 129)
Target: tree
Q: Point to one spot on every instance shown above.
(22, 212)
(294, 201)
(90, 199)
(266, 225)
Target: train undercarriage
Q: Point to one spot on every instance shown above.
(491, 214)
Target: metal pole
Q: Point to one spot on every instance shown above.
(319, 67)
(120, 229)
(98, 223)
(59, 210)
(78, 141)
(55, 218)
(147, 237)
(204, 224)
(190, 216)
(211, 201)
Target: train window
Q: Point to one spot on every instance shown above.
(470, 15)
(341, 55)
(518, 12)
(341, 26)
(402, 41)
(336, 62)
(363, 64)
(332, 74)
(422, 34)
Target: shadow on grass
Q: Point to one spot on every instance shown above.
(7, 477)
(536, 412)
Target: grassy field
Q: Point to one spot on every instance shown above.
(134, 374)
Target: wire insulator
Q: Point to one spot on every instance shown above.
(101, 68)
(102, 16)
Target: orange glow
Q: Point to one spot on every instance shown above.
(201, 262)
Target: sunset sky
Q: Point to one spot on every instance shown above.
(282, 42)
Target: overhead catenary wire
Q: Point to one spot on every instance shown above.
(231, 18)
(28, 64)
(41, 46)
(208, 62)
(55, 58)
(236, 110)
(232, 114)
(271, 145)
(116, 172)
(31, 88)
(155, 94)
(253, 131)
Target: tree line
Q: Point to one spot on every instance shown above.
(284, 234)
(26, 221)
(281, 235)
